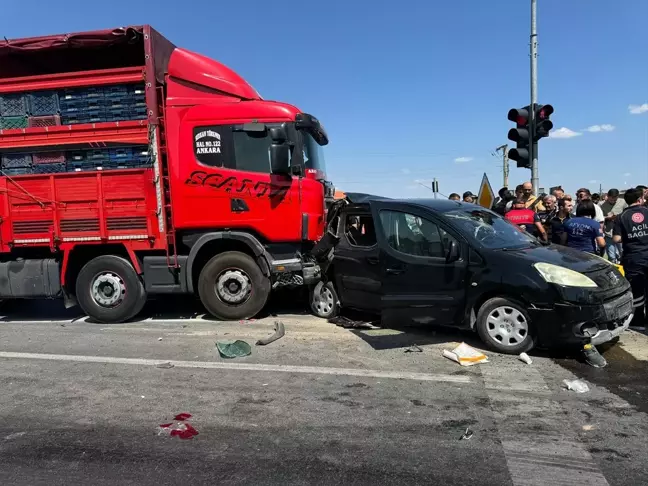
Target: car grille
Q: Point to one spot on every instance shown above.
(618, 308)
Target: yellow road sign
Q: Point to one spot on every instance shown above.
(486, 196)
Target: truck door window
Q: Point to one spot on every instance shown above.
(252, 151)
(414, 235)
(359, 230)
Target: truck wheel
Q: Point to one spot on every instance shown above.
(504, 326)
(109, 290)
(324, 300)
(232, 287)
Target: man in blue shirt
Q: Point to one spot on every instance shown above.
(582, 232)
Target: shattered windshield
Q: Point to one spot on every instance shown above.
(488, 229)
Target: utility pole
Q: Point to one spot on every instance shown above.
(435, 187)
(505, 162)
(533, 147)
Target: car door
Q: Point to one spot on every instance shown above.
(418, 282)
(356, 263)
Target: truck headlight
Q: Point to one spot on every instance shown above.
(563, 276)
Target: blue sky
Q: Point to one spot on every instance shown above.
(412, 90)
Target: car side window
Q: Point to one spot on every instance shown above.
(359, 230)
(413, 235)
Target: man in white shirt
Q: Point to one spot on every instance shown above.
(581, 195)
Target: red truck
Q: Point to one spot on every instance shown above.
(218, 192)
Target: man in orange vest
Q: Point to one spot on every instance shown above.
(527, 219)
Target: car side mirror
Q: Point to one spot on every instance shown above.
(279, 151)
(453, 253)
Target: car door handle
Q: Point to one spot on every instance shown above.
(395, 271)
(373, 260)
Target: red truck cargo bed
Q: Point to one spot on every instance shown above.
(87, 207)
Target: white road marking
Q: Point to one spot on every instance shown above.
(539, 444)
(318, 370)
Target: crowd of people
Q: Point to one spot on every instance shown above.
(611, 225)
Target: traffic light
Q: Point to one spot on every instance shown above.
(520, 135)
(543, 124)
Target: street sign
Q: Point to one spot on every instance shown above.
(486, 196)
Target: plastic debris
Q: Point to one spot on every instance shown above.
(233, 349)
(588, 427)
(346, 323)
(414, 348)
(578, 386)
(165, 366)
(465, 355)
(179, 427)
(159, 339)
(467, 435)
(525, 358)
(278, 334)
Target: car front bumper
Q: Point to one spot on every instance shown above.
(572, 324)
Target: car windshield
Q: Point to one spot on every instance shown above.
(488, 229)
(313, 154)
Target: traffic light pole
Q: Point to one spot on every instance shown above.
(533, 147)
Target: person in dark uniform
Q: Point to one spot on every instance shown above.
(631, 230)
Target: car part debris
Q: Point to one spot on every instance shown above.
(467, 435)
(278, 334)
(525, 358)
(179, 427)
(165, 366)
(414, 348)
(465, 355)
(578, 386)
(347, 323)
(588, 427)
(233, 349)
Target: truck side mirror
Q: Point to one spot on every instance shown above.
(454, 252)
(279, 151)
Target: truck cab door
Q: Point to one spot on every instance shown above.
(356, 262)
(419, 282)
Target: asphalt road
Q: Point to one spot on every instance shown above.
(82, 403)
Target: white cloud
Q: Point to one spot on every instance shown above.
(600, 128)
(627, 174)
(461, 160)
(593, 181)
(638, 109)
(563, 132)
(406, 171)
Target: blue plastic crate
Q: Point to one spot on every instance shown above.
(83, 117)
(49, 168)
(141, 155)
(11, 161)
(17, 171)
(74, 94)
(43, 103)
(75, 156)
(97, 155)
(82, 166)
(121, 154)
(13, 105)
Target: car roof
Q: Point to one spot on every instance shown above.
(437, 205)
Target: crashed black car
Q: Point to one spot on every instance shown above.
(455, 264)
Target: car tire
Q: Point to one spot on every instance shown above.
(504, 325)
(324, 301)
(109, 290)
(231, 286)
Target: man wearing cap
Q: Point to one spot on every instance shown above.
(469, 197)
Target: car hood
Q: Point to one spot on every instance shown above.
(578, 261)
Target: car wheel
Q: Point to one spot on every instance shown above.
(504, 326)
(232, 287)
(109, 290)
(324, 300)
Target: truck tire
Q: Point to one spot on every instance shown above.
(504, 326)
(231, 286)
(324, 301)
(109, 290)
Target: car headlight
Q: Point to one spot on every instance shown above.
(563, 276)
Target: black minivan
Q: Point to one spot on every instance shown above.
(455, 264)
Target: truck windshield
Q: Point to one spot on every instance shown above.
(313, 154)
(488, 229)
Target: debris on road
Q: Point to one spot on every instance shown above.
(467, 435)
(159, 339)
(525, 358)
(165, 366)
(280, 331)
(578, 386)
(414, 348)
(465, 355)
(588, 427)
(233, 349)
(179, 427)
(347, 323)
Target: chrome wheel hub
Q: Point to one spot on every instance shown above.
(233, 286)
(507, 326)
(108, 289)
